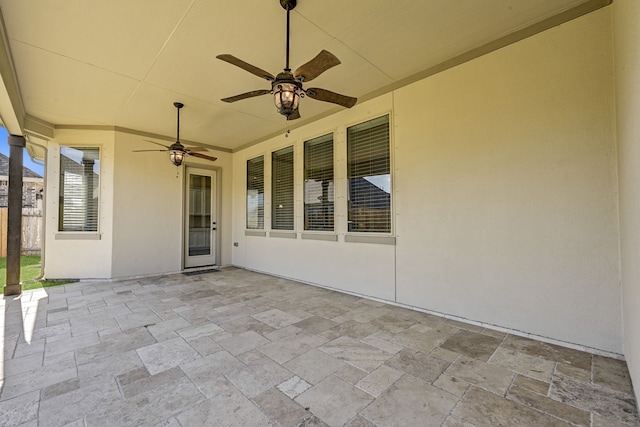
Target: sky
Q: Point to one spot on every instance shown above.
(26, 160)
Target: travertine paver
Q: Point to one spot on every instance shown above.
(238, 348)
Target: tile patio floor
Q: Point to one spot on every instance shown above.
(237, 348)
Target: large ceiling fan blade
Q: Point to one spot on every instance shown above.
(203, 156)
(195, 149)
(246, 95)
(157, 143)
(318, 65)
(246, 66)
(143, 151)
(328, 96)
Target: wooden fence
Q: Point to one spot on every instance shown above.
(31, 231)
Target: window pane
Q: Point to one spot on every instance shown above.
(318, 183)
(79, 189)
(369, 176)
(255, 193)
(282, 189)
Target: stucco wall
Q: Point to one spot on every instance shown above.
(148, 208)
(504, 193)
(71, 255)
(627, 42)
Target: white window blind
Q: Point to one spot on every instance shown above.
(282, 189)
(369, 176)
(255, 193)
(79, 189)
(318, 184)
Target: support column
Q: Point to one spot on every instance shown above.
(14, 220)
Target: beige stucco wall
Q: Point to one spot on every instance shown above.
(141, 210)
(71, 255)
(505, 193)
(627, 55)
(148, 208)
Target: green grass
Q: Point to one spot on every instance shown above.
(30, 269)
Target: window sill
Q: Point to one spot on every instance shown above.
(378, 240)
(255, 233)
(284, 234)
(320, 236)
(78, 236)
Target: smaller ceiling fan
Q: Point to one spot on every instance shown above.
(286, 87)
(177, 151)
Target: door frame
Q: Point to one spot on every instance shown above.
(216, 198)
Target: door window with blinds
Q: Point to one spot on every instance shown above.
(79, 189)
(255, 193)
(369, 176)
(318, 184)
(282, 189)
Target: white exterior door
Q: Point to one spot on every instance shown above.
(200, 227)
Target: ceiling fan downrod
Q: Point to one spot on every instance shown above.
(288, 5)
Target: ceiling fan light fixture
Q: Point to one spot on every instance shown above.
(176, 157)
(286, 97)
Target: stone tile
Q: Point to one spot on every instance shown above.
(571, 371)
(360, 422)
(199, 331)
(334, 401)
(531, 384)
(548, 351)
(116, 343)
(247, 323)
(452, 385)
(354, 329)
(294, 386)
(227, 407)
(356, 353)
(276, 318)
(246, 341)
(441, 353)
(20, 410)
(456, 422)
(524, 364)
(166, 355)
(285, 349)
(314, 365)
(132, 388)
(390, 322)
(424, 342)
(379, 380)
(481, 374)
(257, 377)
(603, 401)
(166, 329)
(315, 324)
(206, 371)
(465, 326)
(36, 379)
(60, 388)
(150, 407)
(422, 404)
(138, 319)
(110, 366)
(482, 408)
(351, 374)
(382, 344)
(611, 373)
(285, 411)
(205, 346)
(599, 421)
(418, 364)
(552, 407)
(472, 344)
(22, 364)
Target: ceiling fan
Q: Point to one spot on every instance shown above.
(177, 151)
(287, 86)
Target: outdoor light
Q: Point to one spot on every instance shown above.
(176, 157)
(286, 97)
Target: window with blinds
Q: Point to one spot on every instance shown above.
(369, 176)
(255, 193)
(282, 209)
(79, 189)
(318, 184)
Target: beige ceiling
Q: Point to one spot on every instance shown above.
(124, 62)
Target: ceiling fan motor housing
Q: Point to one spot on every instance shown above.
(288, 4)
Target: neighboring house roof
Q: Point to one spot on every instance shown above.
(4, 168)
